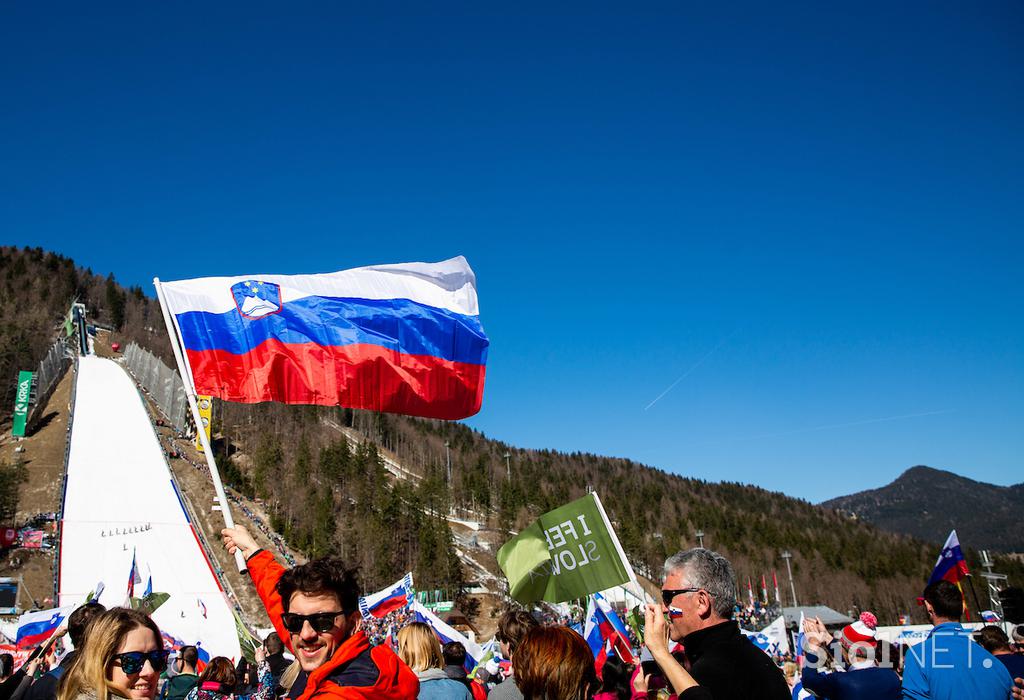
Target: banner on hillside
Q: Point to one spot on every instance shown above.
(205, 404)
(567, 553)
(21, 401)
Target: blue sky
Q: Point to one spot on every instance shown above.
(803, 221)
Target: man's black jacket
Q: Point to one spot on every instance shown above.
(731, 667)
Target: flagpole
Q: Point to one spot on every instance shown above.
(970, 582)
(190, 395)
(642, 596)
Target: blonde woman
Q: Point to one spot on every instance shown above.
(122, 657)
(420, 649)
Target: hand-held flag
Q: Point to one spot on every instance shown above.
(567, 553)
(951, 565)
(34, 628)
(605, 633)
(394, 597)
(400, 338)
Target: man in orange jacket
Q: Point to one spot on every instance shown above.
(315, 609)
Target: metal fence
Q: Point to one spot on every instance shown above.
(48, 374)
(162, 383)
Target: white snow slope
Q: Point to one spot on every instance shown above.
(118, 483)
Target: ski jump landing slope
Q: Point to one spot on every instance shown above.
(120, 501)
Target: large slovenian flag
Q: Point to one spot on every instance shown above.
(34, 628)
(446, 633)
(394, 597)
(400, 338)
(951, 565)
(605, 632)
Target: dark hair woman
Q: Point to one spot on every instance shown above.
(219, 681)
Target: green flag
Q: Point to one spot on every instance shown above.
(567, 553)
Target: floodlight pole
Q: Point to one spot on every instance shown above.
(787, 555)
(700, 538)
(190, 395)
(508, 467)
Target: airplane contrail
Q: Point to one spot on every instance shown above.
(831, 426)
(697, 364)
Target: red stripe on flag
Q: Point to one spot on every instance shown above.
(365, 376)
(389, 605)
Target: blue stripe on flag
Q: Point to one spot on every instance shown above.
(398, 324)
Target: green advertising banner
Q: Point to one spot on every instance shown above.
(567, 553)
(21, 398)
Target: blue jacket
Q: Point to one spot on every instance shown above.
(872, 682)
(949, 665)
(435, 685)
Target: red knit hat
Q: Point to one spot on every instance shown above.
(861, 632)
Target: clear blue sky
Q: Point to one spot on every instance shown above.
(800, 218)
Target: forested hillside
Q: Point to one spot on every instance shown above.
(928, 503)
(326, 496)
(38, 288)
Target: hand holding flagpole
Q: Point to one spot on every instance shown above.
(190, 394)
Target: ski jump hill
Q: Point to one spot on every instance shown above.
(120, 502)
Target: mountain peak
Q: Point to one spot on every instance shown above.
(927, 502)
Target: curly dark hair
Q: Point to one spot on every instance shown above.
(327, 575)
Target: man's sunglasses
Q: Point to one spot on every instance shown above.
(133, 661)
(669, 594)
(320, 622)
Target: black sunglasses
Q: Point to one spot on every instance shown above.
(668, 594)
(133, 661)
(320, 622)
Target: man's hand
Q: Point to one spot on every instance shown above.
(817, 634)
(655, 630)
(238, 538)
(1018, 689)
(32, 666)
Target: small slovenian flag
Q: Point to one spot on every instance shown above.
(394, 597)
(133, 577)
(605, 632)
(951, 565)
(400, 338)
(446, 633)
(34, 628)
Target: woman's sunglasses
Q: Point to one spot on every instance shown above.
(133, 661)
(320, 622)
